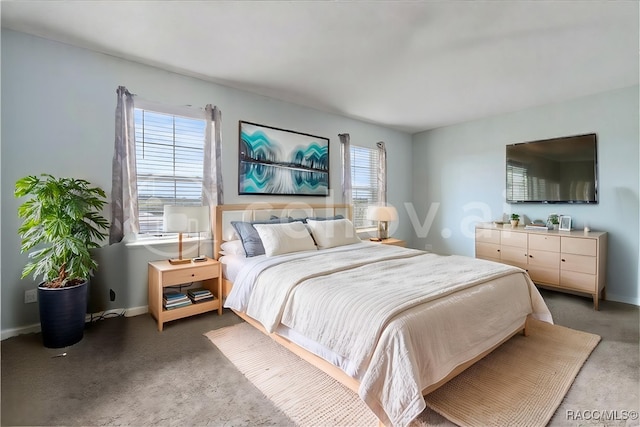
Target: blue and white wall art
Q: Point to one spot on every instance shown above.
(279, 161)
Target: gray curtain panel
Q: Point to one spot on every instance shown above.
(345, 151)
(212, 188)
(382, 174)
(124, 189)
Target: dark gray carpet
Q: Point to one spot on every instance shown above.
(125, 372)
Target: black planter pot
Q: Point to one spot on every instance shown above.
(62, 314)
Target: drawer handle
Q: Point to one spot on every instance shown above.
(563, 260)
(530, 256)
(193, 274)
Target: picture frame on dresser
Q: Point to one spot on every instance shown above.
(565, 223)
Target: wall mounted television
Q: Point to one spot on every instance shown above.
(557, 170)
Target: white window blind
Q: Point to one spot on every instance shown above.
(169, 162)
(364, 183)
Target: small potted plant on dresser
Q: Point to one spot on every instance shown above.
(62, 221)
(515, 219)
(553, 221)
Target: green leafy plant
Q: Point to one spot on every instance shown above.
(515, 217)
(554, 219)
(62, 219)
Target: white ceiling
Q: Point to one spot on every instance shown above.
(408, 65)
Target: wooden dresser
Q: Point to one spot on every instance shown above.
(564, 260)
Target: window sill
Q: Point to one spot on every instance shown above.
(168, 240)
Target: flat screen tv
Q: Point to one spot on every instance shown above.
(558, 170)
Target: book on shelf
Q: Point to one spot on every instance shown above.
(173, 295)
(178, 305)
(173, 299)
(199, 300)
(200, 294)
(198, 291)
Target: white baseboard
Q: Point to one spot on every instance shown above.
(8, 333)
(30, 329)
(624, 299)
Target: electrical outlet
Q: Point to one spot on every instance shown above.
(30, 295)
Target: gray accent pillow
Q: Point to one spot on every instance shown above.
(318, 218)
(249, 235)
(322, 218)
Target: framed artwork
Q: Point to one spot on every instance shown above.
(282, 162)
(565, 223)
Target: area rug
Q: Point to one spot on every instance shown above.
(521, 383)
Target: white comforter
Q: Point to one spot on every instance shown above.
(401, 318)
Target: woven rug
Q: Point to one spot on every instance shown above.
(521, 383)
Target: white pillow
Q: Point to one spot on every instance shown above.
(233, 247)
(329, 234)
(285, 238)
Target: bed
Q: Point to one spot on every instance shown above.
(391, 323)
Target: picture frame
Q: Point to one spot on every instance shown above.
(275, 161)
(565, 223)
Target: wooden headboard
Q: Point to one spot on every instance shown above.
(224, 214)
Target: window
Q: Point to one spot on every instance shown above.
(364, 183)
(169, 163)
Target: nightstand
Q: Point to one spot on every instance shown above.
(393, 241)
(163, 274)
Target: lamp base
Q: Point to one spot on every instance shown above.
(177, 261)
(383, 230)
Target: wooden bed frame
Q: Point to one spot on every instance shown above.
(285, 209)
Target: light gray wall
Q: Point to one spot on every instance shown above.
(459, 173)
(58, 105)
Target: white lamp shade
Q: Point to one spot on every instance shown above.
(382, 213)
(185, 219)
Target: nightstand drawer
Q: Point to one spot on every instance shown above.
(177, 277)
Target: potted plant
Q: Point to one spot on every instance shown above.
(61, 223)
(553, 221)
(515, 218)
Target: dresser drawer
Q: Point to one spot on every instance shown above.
(513, 238)
(544, 243)
(544, 275)
(544, 259)
(578, 281)
(578, 246)
(176, 277)
(486, 235)
(487, 251)
(578, 263)
(512, 255)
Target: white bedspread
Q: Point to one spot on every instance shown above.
(402, 318)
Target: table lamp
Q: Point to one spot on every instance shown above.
(382, 214)
(185, 219)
